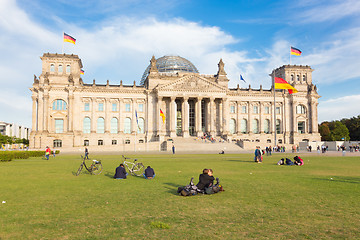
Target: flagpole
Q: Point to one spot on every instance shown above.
(273, 75)
(62, 44)
(290, 55)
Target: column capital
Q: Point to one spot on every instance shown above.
(186, 98)
(172, 98)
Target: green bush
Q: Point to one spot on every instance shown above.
(6, 156)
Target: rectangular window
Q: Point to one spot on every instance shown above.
(114, 142)
(59, 125)
(57, 143)
(301, 127)
(256, 109)
(141, 107)
(127, 107)
(114, 107)
(232, 109)
(100, 142)
(87, 107)
(101, 107)
(243, 109)
(267, 110)
(86, 142)
(277, 110)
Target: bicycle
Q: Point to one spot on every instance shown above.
(95, 168)
(135, 168)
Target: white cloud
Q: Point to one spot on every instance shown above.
(338, 108)
(328, 10)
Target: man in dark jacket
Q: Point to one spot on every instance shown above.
(120, 172)
(206, 179)
(149, 173)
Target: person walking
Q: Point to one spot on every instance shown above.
(47, 152)
(86, 153)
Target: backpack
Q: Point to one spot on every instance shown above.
(189, 189)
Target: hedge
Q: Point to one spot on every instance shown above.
(7, 156)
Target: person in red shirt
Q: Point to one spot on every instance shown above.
(47, 152)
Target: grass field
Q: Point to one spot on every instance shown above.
(45, 200)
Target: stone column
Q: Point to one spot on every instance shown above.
(225, 116)
(93, 120)
(46, 112)
(34, 113)
(198, 116)
(70, 119)
(294, 130)
(172, 117)
(212, 116)
(261, 129)
(133, 118)
(161, 126)
(121, 117)
(185, 117)
(220, 116)
(238, 119)
(107, 115)
(249, 122)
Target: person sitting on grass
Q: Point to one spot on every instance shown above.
(120, 172)
(298, 161)
(206, 179)
(149, 173)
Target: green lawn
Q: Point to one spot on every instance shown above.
(45, 200)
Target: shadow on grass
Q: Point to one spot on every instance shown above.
(172, 188)
(230, 160)
(355, 180)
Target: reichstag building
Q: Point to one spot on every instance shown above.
(69, 113)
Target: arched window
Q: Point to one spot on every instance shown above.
(304, 78)
(68, 69)
(127, 125)
(52, 67)
(100, 125)
(59, 105)
(297, 78)
(255, 126)
(300, 109)
(232, 126)
(278, 126)
(267, 126)
(60, 69)
(292, 77)
(243, 126)
(86, 125)
(114, 125)
(141, 128)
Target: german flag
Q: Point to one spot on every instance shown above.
(295, 51)
(282, 84)
(68, 38)
(162, 115)
(82, 72)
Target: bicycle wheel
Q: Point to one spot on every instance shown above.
(79, 170)
(138, 169)
(96, 168)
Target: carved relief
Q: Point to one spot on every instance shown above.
(192, 83)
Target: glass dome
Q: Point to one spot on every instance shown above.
(171, 64)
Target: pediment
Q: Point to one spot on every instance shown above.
(192, 83)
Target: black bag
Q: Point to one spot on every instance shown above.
(189, 189)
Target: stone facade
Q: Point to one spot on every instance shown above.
(70, 113)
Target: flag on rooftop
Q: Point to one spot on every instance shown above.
(241, 78)
(68, 38)
(82, 71)
(295, 51)
(282, 84)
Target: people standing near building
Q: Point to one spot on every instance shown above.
(86, 153)
(270, 149)
(258, 155)
(173, 149)
(47, 152)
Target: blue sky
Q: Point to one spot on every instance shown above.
(117, 38)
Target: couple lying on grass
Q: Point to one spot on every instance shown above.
(205, 185)
(297, 161)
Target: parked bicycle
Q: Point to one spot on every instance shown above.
(134, 167)
(95, 168)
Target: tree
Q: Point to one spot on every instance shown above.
(353, 124)
(339, 132)
(325, 132)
